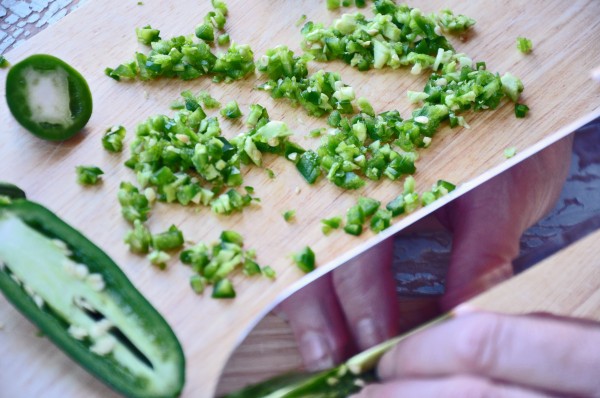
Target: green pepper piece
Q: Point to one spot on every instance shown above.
(329, 224)
(231, 110)
(289, 215)
(232, 237)
(205, 32)
(268, 272)
(223, 289)
(48, 97)
(82, 301)
(197, 283)
(11, 190)
(88, 175)
(169, 240)
(524, 45)
(147, 34)
(305, 259)
(112, 140)
(309, 166)
(3, 62)
(521, 110)
(368, 206)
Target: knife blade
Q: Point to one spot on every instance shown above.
(232, 369)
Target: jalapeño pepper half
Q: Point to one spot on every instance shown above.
(80, 299)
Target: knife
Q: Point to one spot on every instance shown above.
(357, 370)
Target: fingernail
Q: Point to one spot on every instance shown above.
(464, 309)
(316, 352)
(368, 333)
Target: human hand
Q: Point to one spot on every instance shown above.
(485, 355)
(487, 222)
(355, 306)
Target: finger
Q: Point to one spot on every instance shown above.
(544, 354)
(451, 387)
(488, 222)
(367, 294)
(318, 325)
(484, 242)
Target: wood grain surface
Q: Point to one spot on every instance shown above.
(101, 33)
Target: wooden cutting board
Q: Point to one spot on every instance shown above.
(101, 34)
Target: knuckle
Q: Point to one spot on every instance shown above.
(478, 347)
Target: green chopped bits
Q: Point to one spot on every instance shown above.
(159, 259)
(172, 239)
(512, 86)
(301, 20)
(221, 6)
(378, 41)
(305, 259)
(112, 140)
(235, 64)
(355, 219)
(3, 62)
(147, 35)
(365, 106)
(206, 32)
(353, 229)
(270, 173)
(197, 257)
(396, 206)
(409, 185)
(524, 45)
(455, 24)
(309, 167)
(134, 205)
(251, 267)
(269, 272)
(381, 220)
(188, 56)
(232, 237)
(416, 96)
(289, 215)
(333, 4)
(186, 159)
(231, 110)
(427, 198)
(223, 39)
(223, 289)
(521, 110)
(257, 116)
(368, 206)
(88, 175)
(139, 239)
(208, 101)
(316, 132)
(219, 261)
(510, 152)
(197, 283)
(125, 71)
(329, 224)
(230, 202)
